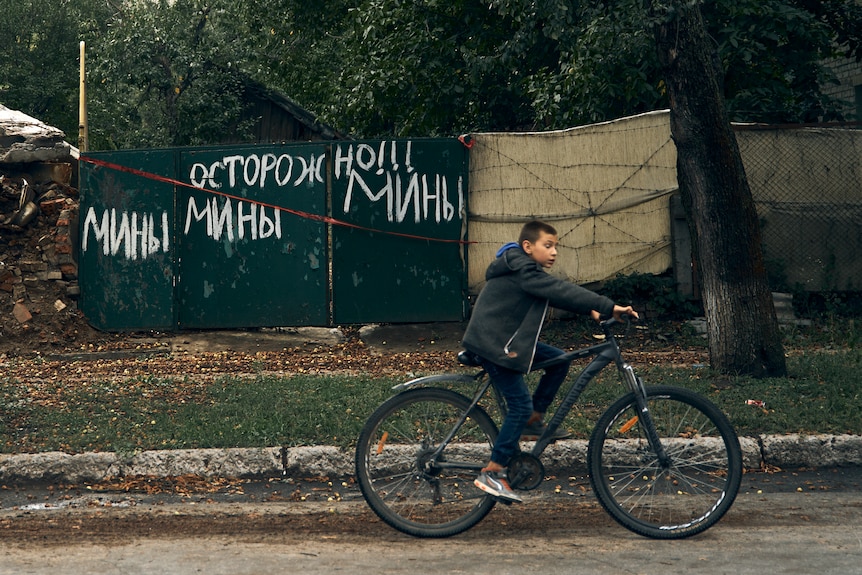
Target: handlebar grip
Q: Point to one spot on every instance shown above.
(611, 322)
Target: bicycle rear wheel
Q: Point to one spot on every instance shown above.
(398, 475)
(687, 495)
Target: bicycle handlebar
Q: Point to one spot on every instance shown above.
(611, 322)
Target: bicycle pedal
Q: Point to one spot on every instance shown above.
(503, 500)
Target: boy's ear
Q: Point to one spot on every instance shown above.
(527, 246)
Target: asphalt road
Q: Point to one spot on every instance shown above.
(798, 521)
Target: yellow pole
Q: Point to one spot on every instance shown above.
(82, 109)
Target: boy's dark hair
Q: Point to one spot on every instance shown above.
(533, 229)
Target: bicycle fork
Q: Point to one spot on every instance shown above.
(645, 420)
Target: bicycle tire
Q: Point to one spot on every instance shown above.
(391, 457)
(688, 496)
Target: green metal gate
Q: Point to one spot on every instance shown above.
(411, 267)
(125, 259)
(245, 258)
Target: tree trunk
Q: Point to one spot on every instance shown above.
(744, 337)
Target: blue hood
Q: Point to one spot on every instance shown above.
(508, 246)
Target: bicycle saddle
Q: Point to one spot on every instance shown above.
(466, 357)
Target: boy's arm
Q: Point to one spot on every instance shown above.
(562, 294)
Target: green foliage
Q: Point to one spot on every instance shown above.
(606, 69)
(772, 55)
(157, 413)
(442, 68)
(301, 50)
(39, 60)
(831, 304)
(171, 72)
(820, 395)
(655, 294)
(437, 68)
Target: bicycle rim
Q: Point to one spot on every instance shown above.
(393, 470)
(667, 502)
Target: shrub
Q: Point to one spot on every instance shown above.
(656, 295)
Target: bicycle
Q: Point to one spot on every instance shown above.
(663, 461)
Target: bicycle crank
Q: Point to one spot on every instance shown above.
(526, 472)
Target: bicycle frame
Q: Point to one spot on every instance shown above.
(605, 353)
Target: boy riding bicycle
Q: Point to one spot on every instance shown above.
(504, 333)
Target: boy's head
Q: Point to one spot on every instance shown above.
(539, 241)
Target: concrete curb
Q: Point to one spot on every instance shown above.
(301, 462)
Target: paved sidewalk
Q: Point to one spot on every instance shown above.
(782, 451)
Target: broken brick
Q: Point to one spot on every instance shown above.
(21, 313)
(70, 271)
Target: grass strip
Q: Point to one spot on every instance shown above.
(821, 394)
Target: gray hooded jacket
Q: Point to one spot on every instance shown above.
(510, 311)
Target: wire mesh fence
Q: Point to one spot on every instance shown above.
(807, 186)
(607, 188)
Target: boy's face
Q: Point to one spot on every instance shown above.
(544, 250)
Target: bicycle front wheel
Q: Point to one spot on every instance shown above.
(685, 495)
(404, 480)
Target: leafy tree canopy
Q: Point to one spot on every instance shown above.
(171, 72)
(429, 67)
(39, 56)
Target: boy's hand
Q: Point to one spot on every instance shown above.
(620, 311)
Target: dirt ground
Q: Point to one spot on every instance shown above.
(266, 509)
(288, 510)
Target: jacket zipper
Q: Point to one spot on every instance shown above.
(536, 341)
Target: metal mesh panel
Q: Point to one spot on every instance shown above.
(807, 187)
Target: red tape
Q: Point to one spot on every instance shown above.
(467, 140)
(306, 215)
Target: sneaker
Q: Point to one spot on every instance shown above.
(496, 484)
(534, 431)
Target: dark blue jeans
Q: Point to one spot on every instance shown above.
(519, 403)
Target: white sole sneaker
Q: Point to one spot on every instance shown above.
(493, 486)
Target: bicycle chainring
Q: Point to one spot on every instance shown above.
(526, 472)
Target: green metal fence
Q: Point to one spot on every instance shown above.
(126, 260)
(399, 187)
(245, 259)
(274, 235)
